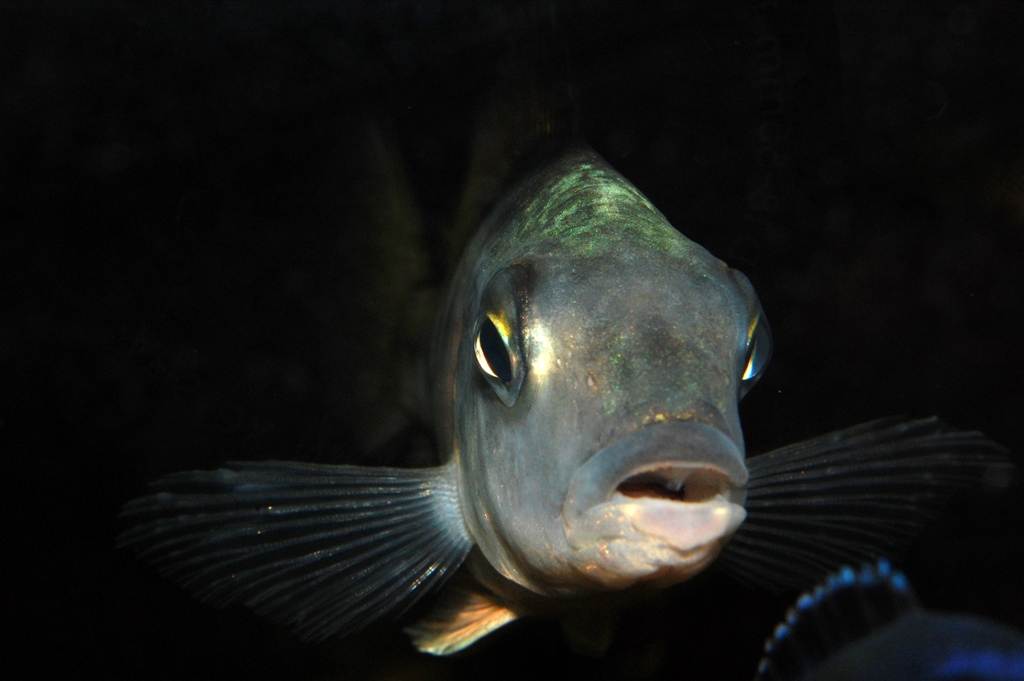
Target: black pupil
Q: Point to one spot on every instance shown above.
(494, 351)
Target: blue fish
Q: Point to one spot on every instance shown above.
(868, 626)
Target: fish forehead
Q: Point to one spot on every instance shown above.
(638, 327)
(579, 208)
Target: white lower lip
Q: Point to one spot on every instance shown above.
(683, 526)
(628, 539)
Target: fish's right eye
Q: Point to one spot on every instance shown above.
(498, 335)
(492, 352)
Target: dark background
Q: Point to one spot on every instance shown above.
(186, 276)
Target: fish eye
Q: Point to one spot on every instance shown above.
(499, 337)
(492, 352)
(759, 351)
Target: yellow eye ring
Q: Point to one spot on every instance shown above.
(492, 353)
(482, 359)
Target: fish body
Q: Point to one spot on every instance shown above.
(867, 625)
(584, 379)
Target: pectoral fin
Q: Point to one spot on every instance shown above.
(322, 550)
(463, 614)
(852, 495)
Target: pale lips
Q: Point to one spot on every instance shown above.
(651, 537)
(665, 496)
(683, 526)
(685, 506)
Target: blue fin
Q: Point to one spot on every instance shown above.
(320, 549)
(852, 495)
(847, 607)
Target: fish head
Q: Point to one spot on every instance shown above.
(602, 361)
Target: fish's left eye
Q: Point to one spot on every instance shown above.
(759, 351)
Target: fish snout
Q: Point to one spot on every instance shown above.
(659, 502)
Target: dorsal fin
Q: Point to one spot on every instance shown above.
(847, 607)
(464, 613)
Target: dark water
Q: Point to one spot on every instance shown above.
(186, 276)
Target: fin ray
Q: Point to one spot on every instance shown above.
(320, 549)
(850, 496)
(463, 614)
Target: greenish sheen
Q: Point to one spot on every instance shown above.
(591, 211)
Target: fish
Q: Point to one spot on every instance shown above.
(867, 624)
(583, 386)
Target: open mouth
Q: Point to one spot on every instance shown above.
(681, 461)
(662, 498)
(675, 483)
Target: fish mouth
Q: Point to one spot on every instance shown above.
(659, 503)
(681, 483)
